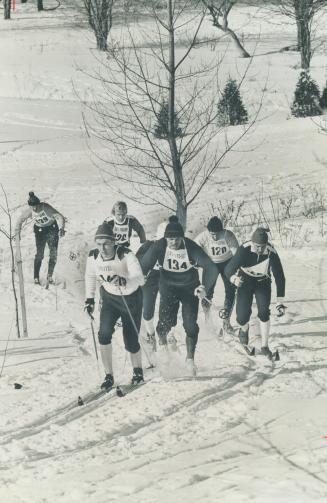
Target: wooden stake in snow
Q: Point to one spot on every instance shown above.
(19, 264)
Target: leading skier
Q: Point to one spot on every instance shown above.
(120, 276)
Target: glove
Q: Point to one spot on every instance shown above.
(280, 308)
(200, 292)
(62, 232)
(89, 306)
(236, 280)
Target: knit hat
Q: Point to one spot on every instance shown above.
(215, 225)
(105, 231)
(260, 236)
(174, 230)
(33, 200)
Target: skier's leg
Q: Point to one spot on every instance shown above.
(168, 309)
(190, 308)
(150, 292)
(244, 310)
(131, 315)
(263, 298)
(108, 317)
(52, 241)
(40, 241)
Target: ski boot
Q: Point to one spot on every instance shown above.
(151, 341)
(243, 337)
(227, 327)
(108, 382)
(137, 377)
(265, 351)
(190, 366)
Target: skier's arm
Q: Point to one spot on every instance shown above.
(90, 276)
(21, 219)
(150, 258)
(56, 214)
(278, 272)
(200, 240)
(234, 264)
(232, 241)
(139, 229)
(209, 270)
(133, 268)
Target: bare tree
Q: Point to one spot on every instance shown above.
(99, 14)
(303, 12)
(9, 234)
(219, 11)
(138, 78)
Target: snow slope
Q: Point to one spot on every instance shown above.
(244, 430)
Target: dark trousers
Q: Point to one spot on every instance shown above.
(112, 308)
(261, 290)
(50, 236)
(150, 292)
(230, 289)
(170, 300)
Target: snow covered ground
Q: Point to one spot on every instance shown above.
(244, 430)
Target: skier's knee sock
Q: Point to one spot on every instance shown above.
(136, 359)
(149, 326)
(190, 346)
(264, 330)
(106, 357)
(244, 328)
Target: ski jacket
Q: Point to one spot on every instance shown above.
(121, 275)
(123, 231)
(45, 217)
(179, 268)
(257, 267)
(221, 249)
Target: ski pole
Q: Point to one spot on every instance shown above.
(93, 335)
(135, 328)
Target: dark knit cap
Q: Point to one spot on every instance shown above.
(105, 231)
(260, 236)
(174, 230)
(33, 200)
(215, 225)
(173, 218)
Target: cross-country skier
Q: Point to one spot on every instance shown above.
(46, 230)
(220, 244)
(124, 224)
(179, 259)
(250, 271)
(151, 287)
(120, 275)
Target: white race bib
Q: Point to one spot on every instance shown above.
(259, 270)
(41, 218)
(176, 260)
(219, 251)
(121, 232)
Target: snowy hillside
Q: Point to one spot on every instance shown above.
(245, 429)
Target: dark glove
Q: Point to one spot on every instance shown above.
(89, 306)
(62, 232)
(280, 308)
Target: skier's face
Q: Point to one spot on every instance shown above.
(259, 249)
(106, 247)
(214, 235)
(120, 215)
(175, 243)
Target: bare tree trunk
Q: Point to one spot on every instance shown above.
(7, 8)
(181, 205)
(303, 14)
(99, 13)
(39, 5)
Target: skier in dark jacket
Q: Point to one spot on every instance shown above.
(124, 224)
(179, 259)
(250, 271)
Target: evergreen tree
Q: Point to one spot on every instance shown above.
(161, 128)
(306, 97)
(231, 110)
(323, 99)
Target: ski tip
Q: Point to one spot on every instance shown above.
(80, 401)
(119, 392)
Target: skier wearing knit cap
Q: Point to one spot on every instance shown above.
(120, 275)
(179, 259)
(46, 230)
(220, 244)
(124, 224)
(250, 271)
(150, 289)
